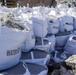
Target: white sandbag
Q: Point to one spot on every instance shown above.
(61, 38)
(52, 40)
(36, 69)
(10, 43)
(19, 69)
(29, 42)
(40, 27)
(9, 58)
(66, 23)
(16, 36)
(53, 26)
(71, 45)
(42, 44)
(36, 56)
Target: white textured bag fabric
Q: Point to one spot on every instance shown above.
(53, 26)
(61, 38)
(10, 43)
(52, 40)
(40, 27)
(71, 45)
(66, 23)
(29, 42)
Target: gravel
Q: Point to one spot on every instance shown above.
(13, 25)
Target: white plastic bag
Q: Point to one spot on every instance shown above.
(10, 43)
(71, 45)
(66, 23)
(61, 39)
(53, 26)
(40, 27)
(29, 42)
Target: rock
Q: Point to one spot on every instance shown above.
(71, 61)
(56, 72)
(62, 71)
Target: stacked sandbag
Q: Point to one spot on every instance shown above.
(52, 40)
(19, 69)
(12, 37)
(42, 44)
(66, 23)
(53, 26)
(36, 56)
(37, 69)
(61, 38)
(71, 45)
(40, 26)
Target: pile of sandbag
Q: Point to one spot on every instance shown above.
(12, 37)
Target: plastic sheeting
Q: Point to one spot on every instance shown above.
(71, 45)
